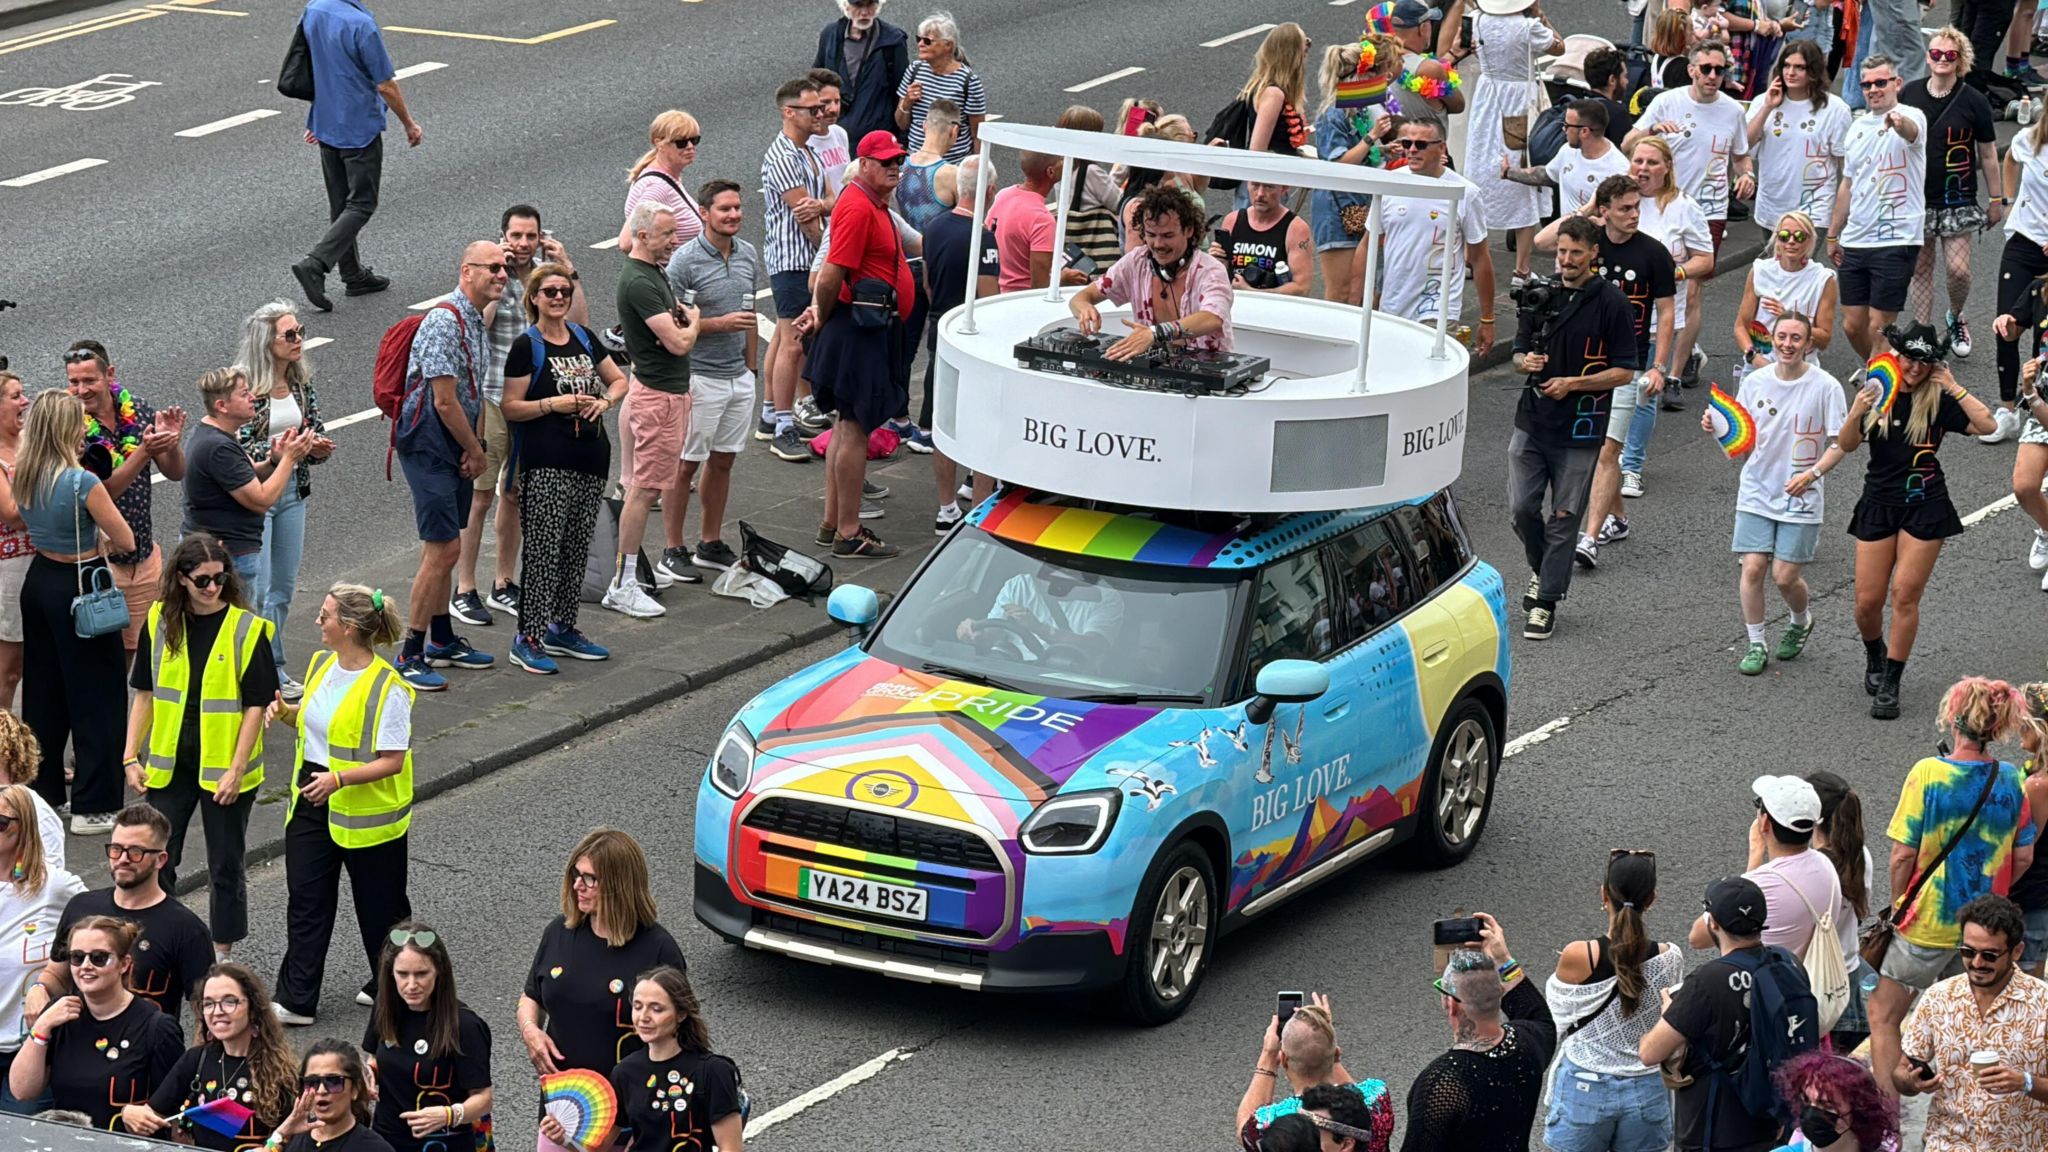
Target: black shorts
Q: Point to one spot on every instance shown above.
(853, 370)
(1927, 520)
(1877, 277)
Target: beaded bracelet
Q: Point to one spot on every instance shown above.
(1510, 970)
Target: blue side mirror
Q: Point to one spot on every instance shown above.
(854, 606)
(1286, 682)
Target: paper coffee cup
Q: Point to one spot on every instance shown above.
(1982, 1060)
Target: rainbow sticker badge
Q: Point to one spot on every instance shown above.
(1884, 372)
(1734, 427)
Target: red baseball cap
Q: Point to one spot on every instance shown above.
(880, 145)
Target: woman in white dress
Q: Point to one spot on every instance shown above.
(1508, 36)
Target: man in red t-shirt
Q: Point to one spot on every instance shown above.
(1024, 226)
(854, 360)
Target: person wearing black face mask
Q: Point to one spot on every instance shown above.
(1838, 1104)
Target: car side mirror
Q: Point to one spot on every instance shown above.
(1286, 682)
(854, 606)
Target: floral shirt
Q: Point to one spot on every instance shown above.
(255, 435)
(1946, 1028)
(135, 502)
(1206, 288)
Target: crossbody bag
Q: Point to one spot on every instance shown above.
(1877, 939)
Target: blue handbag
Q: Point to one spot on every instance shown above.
(102, 610)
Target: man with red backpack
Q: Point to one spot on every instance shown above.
(439, 446)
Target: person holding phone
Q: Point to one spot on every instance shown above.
(1300, 1045)
(1483, 1092)
(1978, 1045)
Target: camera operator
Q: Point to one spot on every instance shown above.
(1264, 242)
(1576, 338)
(1303, 1051)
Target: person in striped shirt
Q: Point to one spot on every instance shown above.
(940, 72)
(797, 194)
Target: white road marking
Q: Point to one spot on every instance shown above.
(603, 244)
(1339, 3)
(1534, 737)
(411, 70)
(50, 173)
(1101, 80)
(789, 1109)
(1991, 509)
(993, 116)
(317, 342)
(423, 305)
(229, 122)
(1254, 30)
(353, 418)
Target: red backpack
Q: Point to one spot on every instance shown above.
(390, 379)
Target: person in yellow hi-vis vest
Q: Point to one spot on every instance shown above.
(195, 728)
(351, 800)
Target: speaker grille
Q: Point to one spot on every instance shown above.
(1327, 455)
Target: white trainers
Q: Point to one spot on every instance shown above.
(2037, 556)
(2008, 421)
(287, 1016)
(1631, 484)
(631, 600)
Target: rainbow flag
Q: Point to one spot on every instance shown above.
(225, 1116)
(1734, 427)
(1884, 372)
(1362, 91)
(1759, 330)
(1380, 18)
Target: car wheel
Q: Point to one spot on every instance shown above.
(1457, 789)
(1172, 929)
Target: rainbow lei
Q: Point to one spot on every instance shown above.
(126, 435)
(1429, 87)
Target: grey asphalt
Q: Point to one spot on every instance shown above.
(161, 250)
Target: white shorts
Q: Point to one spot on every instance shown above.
(721, 416)
(12, 571)
(1623, 410)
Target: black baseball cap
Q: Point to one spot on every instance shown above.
(1737, 905)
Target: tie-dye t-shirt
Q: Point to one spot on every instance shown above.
(1937, 798)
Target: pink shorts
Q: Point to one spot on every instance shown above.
(657, 422)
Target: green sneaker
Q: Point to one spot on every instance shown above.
(1793, 641)
(1753, 661)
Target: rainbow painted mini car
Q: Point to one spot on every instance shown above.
(1081, 744)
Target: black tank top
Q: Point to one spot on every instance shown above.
(1264, 249)
(2030, 891)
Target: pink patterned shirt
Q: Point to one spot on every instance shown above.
(1205, 287)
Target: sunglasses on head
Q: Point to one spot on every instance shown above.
(330, 1083)
(1792, 235)
(686, 141)
(1438, 984)
(292, 335)
(1944, 55)
(421, 938)
(1712, 69)
(557, 292)
(96, 958)
(208, 580)
(1988, 955)
(80, 356)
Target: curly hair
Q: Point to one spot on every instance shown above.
(1982, 709)
(1845, 1087)
(1163, 200)
(21, 754)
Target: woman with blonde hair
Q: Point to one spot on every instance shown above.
(1787, 279)
(238, 1053)
(1169, 126)
(350, 803)
(32, 900)
(2030, 889)
(1678, 220)
(1905, 512)
(273, 352)
(15, 550)
(1276, 93)
(576, 1010)
(20, 759)
(1960, 118)
(1510, 34)
(73, 699)
(1349, 129)
(658, 176)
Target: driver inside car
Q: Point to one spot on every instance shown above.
(1036, 614)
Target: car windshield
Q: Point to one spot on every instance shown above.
(1012, 616)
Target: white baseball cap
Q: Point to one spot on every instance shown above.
(1791, 801)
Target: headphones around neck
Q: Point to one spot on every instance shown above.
(1167, 272)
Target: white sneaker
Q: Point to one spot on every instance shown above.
(2044, 583)
(365, 999)
(1631, 484)
(2008, 421)
(631, 600)
(92, 824)
(287, 1016)
(2037, 556)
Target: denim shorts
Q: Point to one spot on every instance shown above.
(1621, 410)
(1326, 224)
(1595, 1112)
(792, 293)
(1792, 543)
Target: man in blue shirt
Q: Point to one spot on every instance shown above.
(352, 82)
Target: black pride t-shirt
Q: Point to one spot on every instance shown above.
(207, 1073)
(586, 988)
(411, 1078)
(1642, 269)
(1593, 332)
(1902, 473)
(672, 1104)
(99, 1067)
(1956, 125)
(171, 955)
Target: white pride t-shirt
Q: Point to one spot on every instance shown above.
(2029, 216)
(1796, 420)
(1887, 182)
(1708, 139)
(1577, 178)
(1422, 257)
(1683, 229)
(1796, 160)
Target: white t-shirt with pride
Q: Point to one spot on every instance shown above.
(1683, 229)
(1887, 182)
(1422, 257)
(1794, 291)
(2029, 215)
(1796, 159)
(1577, 177)
(1796, 420)
(1709, 136)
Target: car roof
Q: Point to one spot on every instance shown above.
(1172, 539)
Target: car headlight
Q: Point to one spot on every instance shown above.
(1070, 825)
(732, 766)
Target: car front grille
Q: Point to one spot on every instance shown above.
(870, 831)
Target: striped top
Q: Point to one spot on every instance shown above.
(788, 166)
(961, 86)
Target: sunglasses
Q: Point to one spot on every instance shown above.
(1989, 955)
(494, 269)
(1874, 85)
(557, 292)
(134, 853)
(80, 356)
(292, 336)
(97, 958)
(927, 40)
(422, 938)
(891, 165)
(330, 1083)
(584, 880)
(686, 141)
(1791, 236)
(804, 109)
(208, 580)
(1438, 984)
(1944, 55)
(228, 1004)
(1711, 69)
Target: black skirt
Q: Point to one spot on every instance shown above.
(1927, 520)
(852, 370)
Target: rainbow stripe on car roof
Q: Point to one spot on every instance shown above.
(1019, 518)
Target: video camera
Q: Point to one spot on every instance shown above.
(1260, 277)
(1537, 303)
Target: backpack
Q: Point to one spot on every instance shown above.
(1232, 128)
(1784, 1021)
(1546, 137)
(540, 348)
(391, 378)
(1826, 973)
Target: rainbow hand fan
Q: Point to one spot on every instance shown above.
(1884, 372)
(1734, 427)
(582, 1101)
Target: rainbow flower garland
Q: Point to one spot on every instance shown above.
(1429, 87)
(126, 435)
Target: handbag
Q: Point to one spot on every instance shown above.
(1514, 130)
(104, 609)
(1354, 217)
(295, 78)
(1877, 939)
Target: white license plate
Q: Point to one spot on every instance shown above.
(897, 900)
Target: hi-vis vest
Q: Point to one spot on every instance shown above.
(220, 699)
(358, 815)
